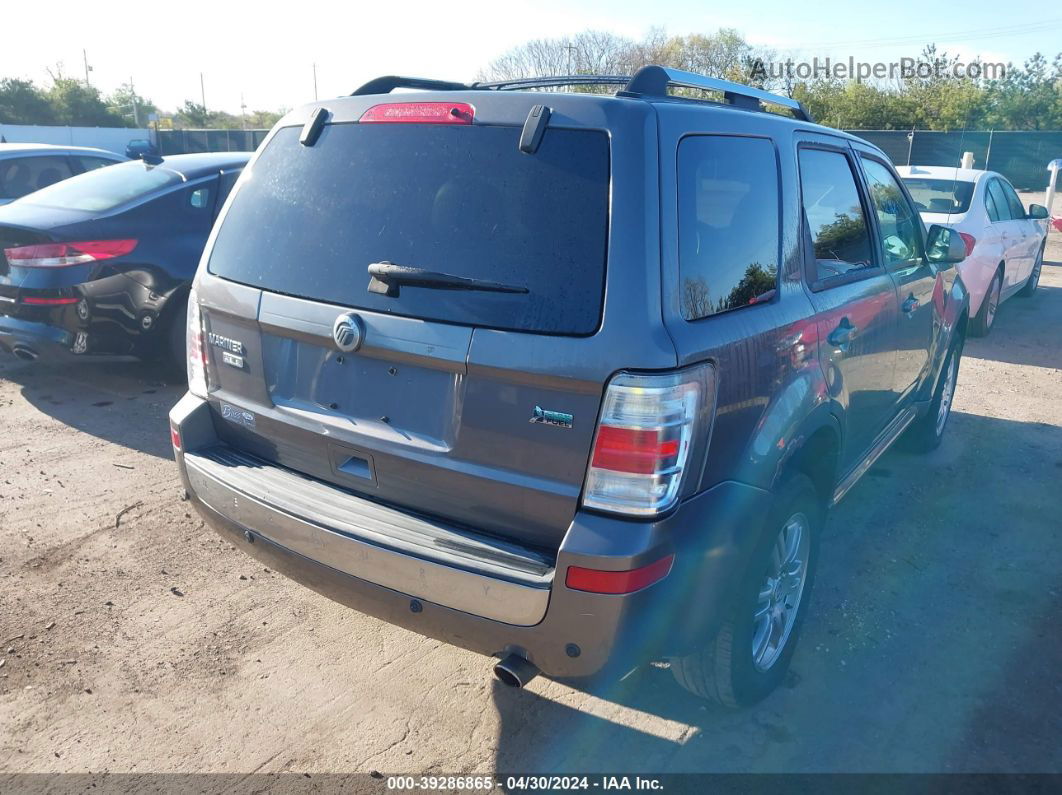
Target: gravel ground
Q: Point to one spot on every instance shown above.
(134, 639)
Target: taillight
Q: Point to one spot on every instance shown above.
(648, 426)
(46, 300)
(175, 438)
(970, 241)
(196, 350)
(63, 255)
(421, 113)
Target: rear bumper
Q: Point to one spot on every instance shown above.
(42, 339)
(566, 633)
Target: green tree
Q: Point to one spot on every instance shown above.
(76, 104)
(192, 115)
(130, 105)
(21, 102)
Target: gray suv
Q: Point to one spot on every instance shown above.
(565, 378)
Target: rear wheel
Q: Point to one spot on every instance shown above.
(173, 358)
(927, 432)
(749, 656)
(986, 316)
(1034, 278)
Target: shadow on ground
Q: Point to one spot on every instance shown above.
(1026, 330)
(928, 648)
(121, 401)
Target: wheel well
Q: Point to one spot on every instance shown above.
(817, 458)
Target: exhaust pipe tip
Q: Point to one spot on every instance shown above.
(515, 671)
(24, 353)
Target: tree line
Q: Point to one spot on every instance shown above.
(1025, 97)
(72, 102)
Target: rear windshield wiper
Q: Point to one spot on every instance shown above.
(388, 277)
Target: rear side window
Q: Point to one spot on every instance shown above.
(834, 214)
(940, 195)
(20, 176)
(728, 223)
(990, 206)
(458, 200)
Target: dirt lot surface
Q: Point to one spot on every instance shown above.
(135, 639)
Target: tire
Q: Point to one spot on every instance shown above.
(927, 432)
(1034, 278)
(726, 670)
(173, 357)
(986, 315)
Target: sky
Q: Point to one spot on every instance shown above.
(264, 51)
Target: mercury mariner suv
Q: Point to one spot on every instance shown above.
(563, 377)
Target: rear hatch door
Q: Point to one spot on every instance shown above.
(476, 405)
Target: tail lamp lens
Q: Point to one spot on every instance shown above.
(648, 426)
(969, 241)
(196, 350)
(64, 255)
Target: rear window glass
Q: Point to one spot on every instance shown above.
(940, 195)
(728, 223)
(106, 188)
(457, 200)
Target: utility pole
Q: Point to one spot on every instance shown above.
(202, 91)
(315, 82)
(132, 95)
(569, 48)
(243, 112)
(84, 56)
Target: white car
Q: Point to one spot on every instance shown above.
(25, 168)
(1004, 242)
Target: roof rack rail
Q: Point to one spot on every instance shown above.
(555, 81)
(655, 80)
(388, 83)
(649, 81)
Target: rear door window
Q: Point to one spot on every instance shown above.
(999, 199)
(20, 176)
(457, 200)
(834, 215)
(728, 223)
(1017, 209)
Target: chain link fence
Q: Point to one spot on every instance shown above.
(1021, 157)
(181, 142)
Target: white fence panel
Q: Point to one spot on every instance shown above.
(113, 139)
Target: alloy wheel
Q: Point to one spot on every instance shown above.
(993, 301)
(783, 587)
(946, 394)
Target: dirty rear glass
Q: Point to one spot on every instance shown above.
(460, 200)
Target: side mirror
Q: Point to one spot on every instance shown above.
(1038, 212)
(945, 246)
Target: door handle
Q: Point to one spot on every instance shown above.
(910, 305)
(842, 335)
